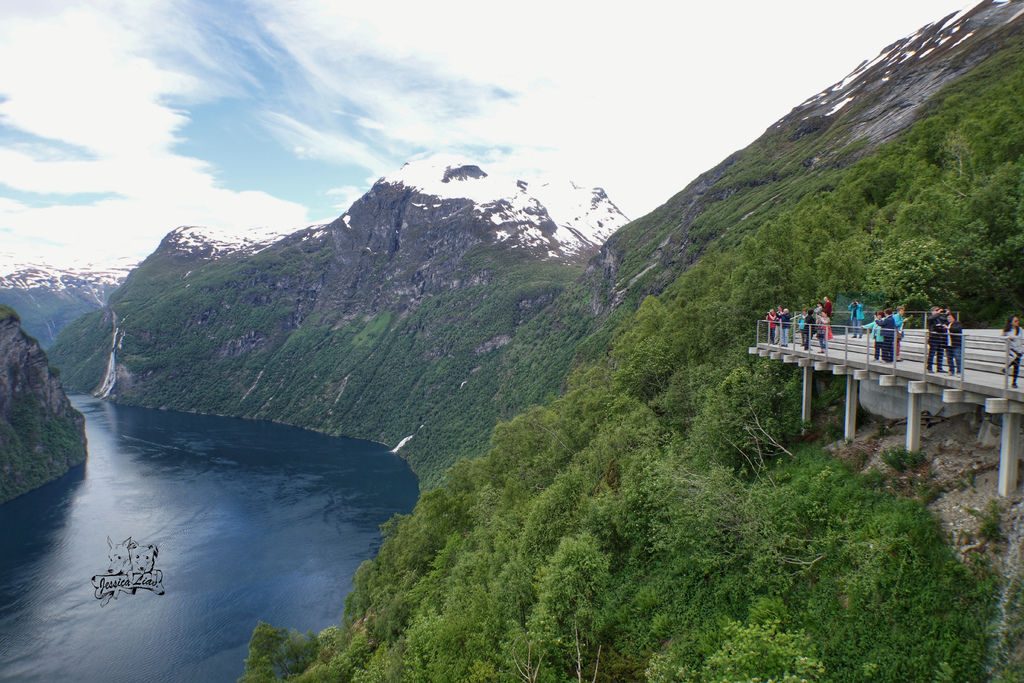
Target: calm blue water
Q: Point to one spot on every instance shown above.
(252, 521)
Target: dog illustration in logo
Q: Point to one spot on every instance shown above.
(120, 555)
(143, 558)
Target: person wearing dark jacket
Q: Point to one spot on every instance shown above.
(888, 326)
(954, 344)
(785, 320)
(936, 338)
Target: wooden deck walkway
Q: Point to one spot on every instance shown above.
(984, 358)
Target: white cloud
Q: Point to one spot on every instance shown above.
(639, 97)
(98, 117)
(345, 196)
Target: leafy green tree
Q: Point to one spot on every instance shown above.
(278, 653)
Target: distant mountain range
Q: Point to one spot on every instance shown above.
(48, 297)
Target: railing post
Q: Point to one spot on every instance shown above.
(963, 357)
(846, 348)
(1006, 367)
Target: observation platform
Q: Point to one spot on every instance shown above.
(985, 380)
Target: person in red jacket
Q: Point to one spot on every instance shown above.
(827, 306)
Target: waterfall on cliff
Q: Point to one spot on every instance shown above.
(111, 376)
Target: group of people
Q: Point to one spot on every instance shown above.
(945, 338)
(816, 322)
(945, 333)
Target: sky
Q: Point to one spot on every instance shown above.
(123, 119)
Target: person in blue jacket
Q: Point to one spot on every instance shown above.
(875, 328)
(856, 316)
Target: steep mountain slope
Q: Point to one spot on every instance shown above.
(422, 312)
(801, 153)
(669, 518)
(41, 435)
(48, 298)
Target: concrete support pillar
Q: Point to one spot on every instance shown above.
(805, 405)
(1009, 453)
(913, 421)
(850, 422)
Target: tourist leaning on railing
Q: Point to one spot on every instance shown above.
(1016, 346)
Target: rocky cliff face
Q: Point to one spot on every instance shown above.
(41, 435)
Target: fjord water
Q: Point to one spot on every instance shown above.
(252, 521)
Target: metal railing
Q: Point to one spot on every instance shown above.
(985, 358)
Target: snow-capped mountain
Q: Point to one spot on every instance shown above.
(907, 72)
(43, 276)
(211, 243)
(561, 218)
(48, 297)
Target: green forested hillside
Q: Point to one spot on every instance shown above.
(249, 336)
(664, 519)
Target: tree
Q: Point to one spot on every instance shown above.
(274, 653)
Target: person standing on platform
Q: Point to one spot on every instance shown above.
(936, 338)
(888, 325)
(806, 327)
(826, 305)
(824, 331)
(954, 344)
(875, 330)
(1016, 349)
(900, 316)
(785, 321)
(771, 318)
(856, 318)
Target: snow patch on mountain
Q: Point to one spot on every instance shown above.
(215, 243)
(932, 41)
(582, 217)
